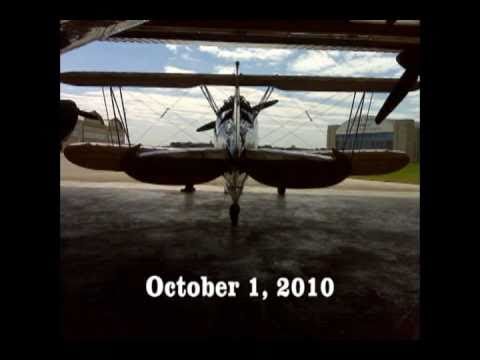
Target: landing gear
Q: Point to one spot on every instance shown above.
(281, 191)
(189, 188)
(234, 212)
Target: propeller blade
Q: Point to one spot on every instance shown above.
(408, 79)
(410, 60)
(264, 105)
(68, 118)
(89, 115)
(207, 126)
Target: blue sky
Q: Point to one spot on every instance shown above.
(284, 124)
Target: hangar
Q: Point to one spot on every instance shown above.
(97, 130)
(392, 134)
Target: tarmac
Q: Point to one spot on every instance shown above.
(363, 235)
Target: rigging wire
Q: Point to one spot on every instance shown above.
(358, 126)
(301, 114)
(210, 99)
(325, 111)
(182, 129)
(348, 123)
(125, 116)
(108, 121)
(349, 130)
(153, 124)
(123, 121)
(366, 120)
(155, 111)
(114, 116)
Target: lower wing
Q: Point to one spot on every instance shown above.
(151, 165)
(271, 167)
(373, 162)
(294, 169)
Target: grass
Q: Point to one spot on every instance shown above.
(410, 174)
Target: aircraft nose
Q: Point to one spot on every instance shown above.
(234, 149)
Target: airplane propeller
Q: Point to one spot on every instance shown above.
(69, 117)
(410, 61)
(207, 126)
(264, 105)
(255, 109)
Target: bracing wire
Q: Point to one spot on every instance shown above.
(358, 126)
(349, 129)
(325, 111)
(114, 116)
(365, 122)
(155, 111)
(348, 123)
(125, 116)
(123, 120)
(106, 110)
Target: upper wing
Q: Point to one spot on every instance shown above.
(390, 35)
(357, 35)
(290, 83)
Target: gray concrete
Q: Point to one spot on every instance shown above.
(114, 237)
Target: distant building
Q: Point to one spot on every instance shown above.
(391, 134)
(190, 145)
(98, 130)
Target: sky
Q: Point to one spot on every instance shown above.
(284, 124)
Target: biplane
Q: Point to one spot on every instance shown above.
(236, 155)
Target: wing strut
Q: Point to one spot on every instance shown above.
(123, 120)
(106, 110)
(365, 122)
(209, 98)
(114, 116)
(263, 102)
(351, 123)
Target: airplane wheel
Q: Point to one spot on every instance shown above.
(234, 212)
(189, 188)
(281, 191)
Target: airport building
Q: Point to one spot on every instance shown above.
(98, 130)
(391, 134)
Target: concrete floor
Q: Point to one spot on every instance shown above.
(114, 236)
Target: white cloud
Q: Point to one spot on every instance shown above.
(224, 69)
(312, 61)
(187, 57)
(241, 53)
(336, 63)
(174, 69)
(172, 47)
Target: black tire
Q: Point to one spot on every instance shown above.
(189, 188)
(234, 213)
(281, 190)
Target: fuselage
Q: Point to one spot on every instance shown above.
(236, 135)
(236, 132)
